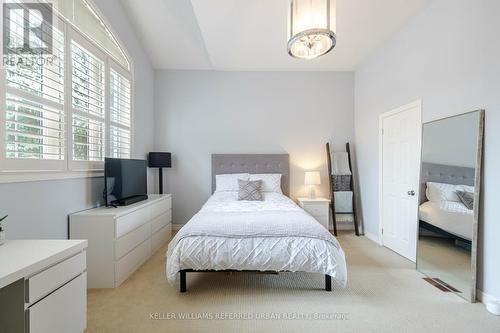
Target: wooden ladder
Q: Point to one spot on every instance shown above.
(332, 190)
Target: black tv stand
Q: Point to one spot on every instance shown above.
(129, 200)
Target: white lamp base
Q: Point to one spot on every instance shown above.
(312, 192)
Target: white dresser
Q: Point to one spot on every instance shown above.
(319, 208)
(122, 239)
(43, 286)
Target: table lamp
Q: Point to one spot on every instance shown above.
(160, 160)
(312, 179)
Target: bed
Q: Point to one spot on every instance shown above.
(273, 235)
(449, 219)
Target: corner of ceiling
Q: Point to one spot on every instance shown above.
(367, 57)
(207, 54)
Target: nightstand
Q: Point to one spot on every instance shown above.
(319, 208)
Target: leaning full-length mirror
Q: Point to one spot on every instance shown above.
(449, 202)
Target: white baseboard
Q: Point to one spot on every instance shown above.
(484, 297)
(373, 237)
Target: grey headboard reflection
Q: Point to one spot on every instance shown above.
(448, 174)
(253, 163)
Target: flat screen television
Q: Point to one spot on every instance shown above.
(125, 181)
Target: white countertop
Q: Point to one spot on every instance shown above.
(121, 210)
(23, 258)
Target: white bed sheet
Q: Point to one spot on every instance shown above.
(450, 216)
(294, 254)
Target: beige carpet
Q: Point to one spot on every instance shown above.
(384, 294)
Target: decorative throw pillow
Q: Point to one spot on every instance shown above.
(467, 198)
(250, 190)
(271, 182)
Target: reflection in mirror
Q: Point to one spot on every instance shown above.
(449, 202)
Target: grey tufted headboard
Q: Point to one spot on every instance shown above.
(253, 163)
(448, 174)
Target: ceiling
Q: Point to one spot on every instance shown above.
(250, 35)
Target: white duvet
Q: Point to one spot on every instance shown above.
(450, 216)
(270, 235)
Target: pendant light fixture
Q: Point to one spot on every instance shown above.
(311, 28)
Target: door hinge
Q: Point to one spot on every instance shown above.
(382, 231)
(382, 131)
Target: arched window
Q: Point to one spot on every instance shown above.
(87, 21)
(66, 109)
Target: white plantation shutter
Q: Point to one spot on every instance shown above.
(33, 130)
(44, 75)
(120, 115)
(87, 101)
(88, 138)
(119, 142)
(33, 105)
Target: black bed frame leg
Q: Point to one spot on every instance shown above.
(183, 288)
(328, 282)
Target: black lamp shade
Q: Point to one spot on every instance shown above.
(160, 160)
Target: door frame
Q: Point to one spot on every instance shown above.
(417, 103)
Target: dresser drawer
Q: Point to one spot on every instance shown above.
(127, 242)
(161, 221)
(52, 278)
(131, 261)
(63, 311)
(161, 207)
(161, 237)
(129, 222)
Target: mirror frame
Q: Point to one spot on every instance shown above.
(477, 198)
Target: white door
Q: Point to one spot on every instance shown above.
(400, 143)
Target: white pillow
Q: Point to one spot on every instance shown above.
(465, 188)
(271, 182)
(445, 192)
(229, 182)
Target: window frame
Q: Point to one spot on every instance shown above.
(19, 170)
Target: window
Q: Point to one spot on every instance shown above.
(70, 112)
(34, 108)
(119, 104)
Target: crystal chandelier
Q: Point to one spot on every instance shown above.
(311, 28)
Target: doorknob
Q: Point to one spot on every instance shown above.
(412, 193)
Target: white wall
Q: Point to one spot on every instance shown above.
(451, 141)
(40, 209)
(449, 56)
(203, 112)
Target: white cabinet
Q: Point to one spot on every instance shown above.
(122, 239)
(43, 286)
(63, 311)
(319, 208)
